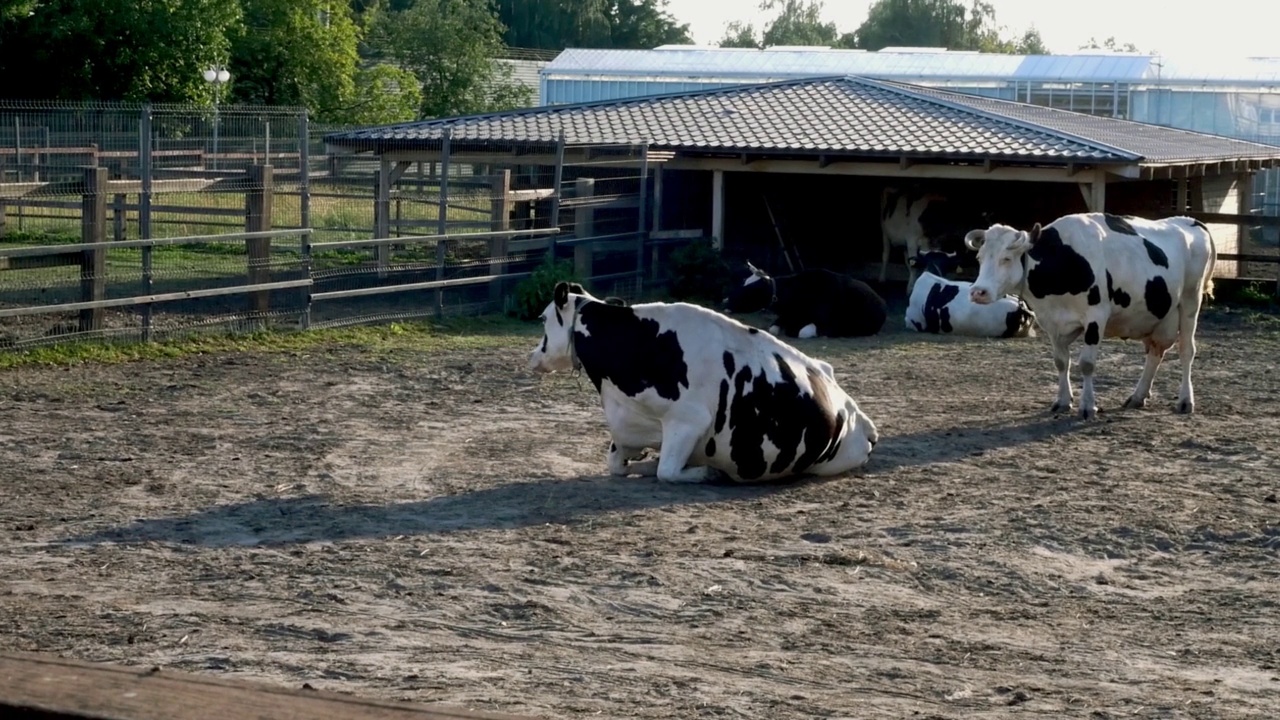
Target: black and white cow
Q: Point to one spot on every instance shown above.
(1101, 275)
(709, 393)
(943, 307)
(810, 303)
(920, 222)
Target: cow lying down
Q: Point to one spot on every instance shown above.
(810, 303)
(942, 306)
(713, 396)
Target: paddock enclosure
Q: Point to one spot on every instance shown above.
(438, 527)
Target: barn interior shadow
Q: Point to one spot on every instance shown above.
(311, 518)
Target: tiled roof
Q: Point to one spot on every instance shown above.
(833, 115)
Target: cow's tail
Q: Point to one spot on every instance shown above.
(1208, 271)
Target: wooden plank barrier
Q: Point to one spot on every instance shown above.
(52, 688)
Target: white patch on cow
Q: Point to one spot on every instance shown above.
(964, 316)
(808, 331)
(753, 278)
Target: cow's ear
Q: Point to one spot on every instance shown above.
(974, 239)
(576, 288)
(1034, 234)
(561, 294)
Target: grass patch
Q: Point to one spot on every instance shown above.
(419, 337)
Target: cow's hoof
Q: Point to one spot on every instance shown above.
(1185, 407)
(1134, 403)
(1088, 413)
(1060, 407)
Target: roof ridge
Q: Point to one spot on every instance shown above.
(909, 90)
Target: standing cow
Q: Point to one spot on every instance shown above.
(943, 307)
(810, 303)
(1101, 275)
(709, 393)
(920, 223)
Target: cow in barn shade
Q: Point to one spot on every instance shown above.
(1101, 275)
(715, 398)
(810, 303)
(920, 223)
(943, 307)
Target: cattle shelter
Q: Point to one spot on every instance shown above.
(796, 167)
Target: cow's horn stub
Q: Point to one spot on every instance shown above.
(1035, 233)
(974, 238)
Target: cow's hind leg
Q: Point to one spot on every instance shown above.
(679, 438)
(1159, 342)
(1062, 361)
(1188, 318)
(620, 462)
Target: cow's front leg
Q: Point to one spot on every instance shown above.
(620, 462)
(679, 438)
(1088, 363)
(1062, 361)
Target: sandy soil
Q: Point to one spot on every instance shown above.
(439, 528)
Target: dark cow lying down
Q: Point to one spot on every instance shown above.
(943, 307)
(810, 303)
(711, 394)
(1101, 275)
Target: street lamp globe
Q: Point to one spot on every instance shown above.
(223, 76)
(210, 75)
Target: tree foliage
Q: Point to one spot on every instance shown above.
(450, 46)
(559, 24)
(798, 22)
(1111, 44)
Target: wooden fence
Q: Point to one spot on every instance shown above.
(52, 688)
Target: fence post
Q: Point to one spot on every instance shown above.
(93, 229)
(584, 220)
(304, 170)
(144, 169)
(442, 217)
(382, 215)
(117, 217)
(642, 234)
(2, 219)
(500, 210)
(258, 203)
(556, 182)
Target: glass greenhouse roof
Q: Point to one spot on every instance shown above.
(905, 63)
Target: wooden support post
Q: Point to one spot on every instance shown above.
(655, 252)
(584, 220)
(1183, 193)
(382, 215)
(1098, 202)
(258, 204)
(1195, 194)
(717, 209)
(93, 263)
(500, 214)
(442, 217)
(2, 218)
(118, 217)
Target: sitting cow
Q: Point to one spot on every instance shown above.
(1101, 275)
(941, 306)
(810, 303)
(709, 393)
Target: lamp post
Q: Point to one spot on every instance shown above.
(219, 77)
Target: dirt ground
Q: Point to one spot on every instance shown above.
(440, 528)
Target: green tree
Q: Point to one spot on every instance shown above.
(1110, 44)
(295, 52)
(113, 49)
(450, 46)
(939, 23)
(740, 35)
(798, 22)
(558, 24)
(384, 94)
(1031, 44)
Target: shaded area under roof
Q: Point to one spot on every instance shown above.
(847, 116)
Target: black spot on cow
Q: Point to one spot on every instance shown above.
(629, 351)
(613, 447)
(1119, 224)
(722, 408)
(559, 318)
(1157, 297)
(937, 316)
(837, 305)
(1116, 295)
(1015, 321)
(1201, 225)
(544, 342)
(1091, 334)
(728, 363)
(1059, 270)
(1095, 295)
(710, 450)
(1156, 254)
(784, 415)
(752, 331)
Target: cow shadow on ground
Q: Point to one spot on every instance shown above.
(508, 506)
(940, 445)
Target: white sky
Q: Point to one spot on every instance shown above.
(1213, 30)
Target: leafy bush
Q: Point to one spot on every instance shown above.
(40, 237)
(534, 293)
(698, 272)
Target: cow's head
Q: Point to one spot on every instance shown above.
(751, 292)
(942, 264)
(1001, 268)
(555, 351)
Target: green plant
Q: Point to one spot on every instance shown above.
(534, 293)
(698, 271)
